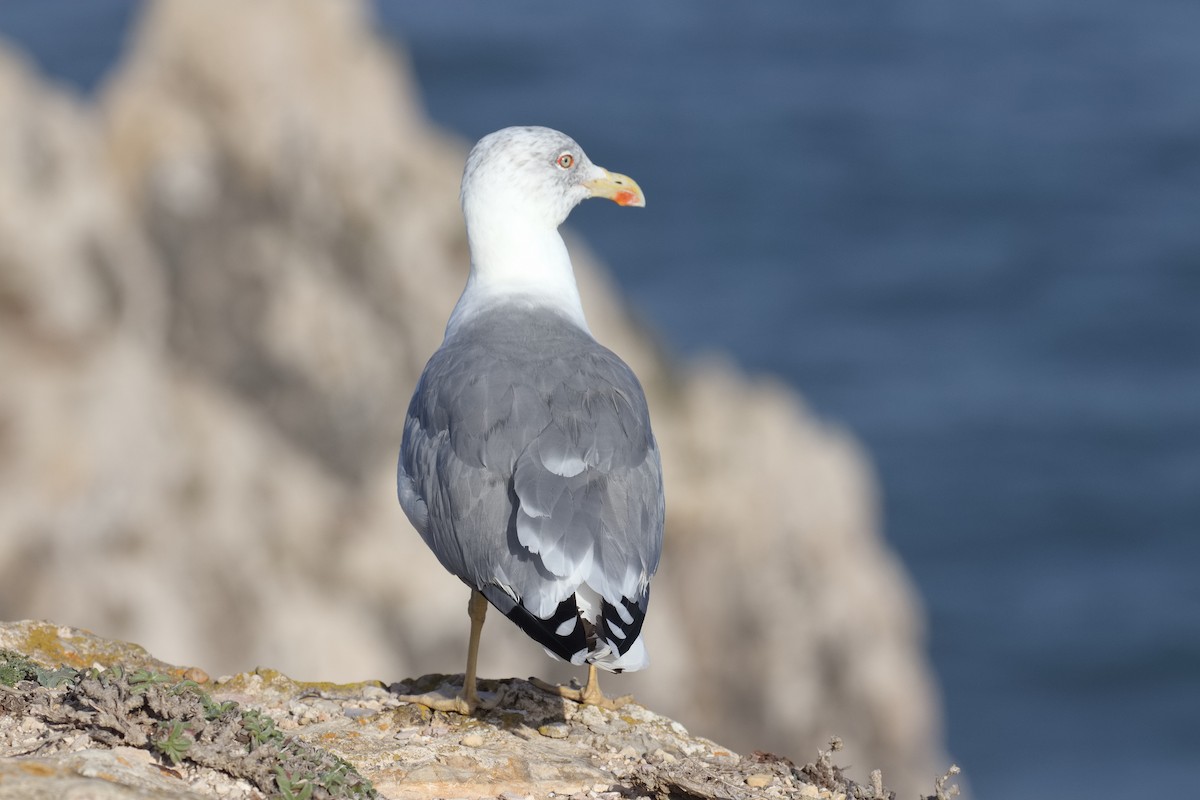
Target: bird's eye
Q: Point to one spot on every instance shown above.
(566, 161)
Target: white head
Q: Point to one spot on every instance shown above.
(538, 174)
(519, 185)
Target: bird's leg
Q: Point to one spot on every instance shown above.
(589, 695)
(466, 701)
(476, 610)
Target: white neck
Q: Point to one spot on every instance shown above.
(522, 263)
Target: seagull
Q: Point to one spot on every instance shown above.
(528, 465)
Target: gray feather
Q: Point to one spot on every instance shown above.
(528, 462)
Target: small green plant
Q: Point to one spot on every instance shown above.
(335, 779)
(110, 675)
(261, 728)
(15, 667)
(338, 781)
(142, 679)
(174, 744)
(213, 709)
(291, 789)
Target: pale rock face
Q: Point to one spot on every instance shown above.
(216, 293)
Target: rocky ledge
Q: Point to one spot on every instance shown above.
(83, 716)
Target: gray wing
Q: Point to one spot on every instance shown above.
(531, 476)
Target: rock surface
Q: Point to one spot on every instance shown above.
(82, 716)
(217, 287)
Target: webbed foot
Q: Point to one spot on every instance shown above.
(589, 695)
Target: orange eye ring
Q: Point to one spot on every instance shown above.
(566, 161)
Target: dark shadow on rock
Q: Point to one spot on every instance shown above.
(521, 704)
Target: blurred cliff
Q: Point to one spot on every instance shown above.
(217, 288)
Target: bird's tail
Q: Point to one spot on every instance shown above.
(584, 628)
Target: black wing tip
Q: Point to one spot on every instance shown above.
(545, 631)
(611, 617)
(580, 637)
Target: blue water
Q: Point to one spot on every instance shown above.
(969, 232)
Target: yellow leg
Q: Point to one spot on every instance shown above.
(589, 695)
(477, 611)
(467, 700)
